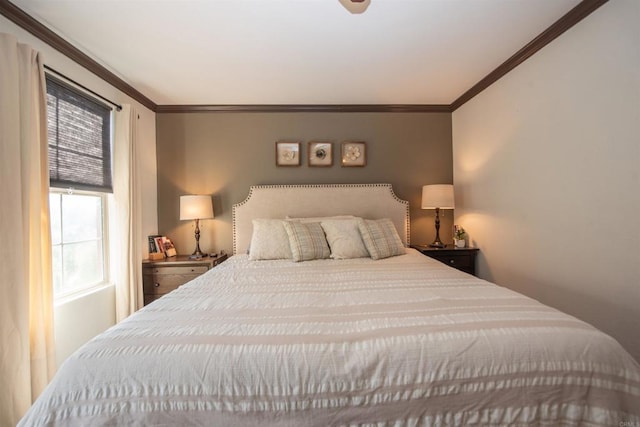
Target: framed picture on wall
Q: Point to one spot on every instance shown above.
(320, 154)
(354, 153)
(287, 153)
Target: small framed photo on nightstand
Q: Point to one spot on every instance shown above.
(287, 153)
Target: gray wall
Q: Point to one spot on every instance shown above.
(224, 153)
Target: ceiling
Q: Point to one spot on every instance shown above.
(191, 52)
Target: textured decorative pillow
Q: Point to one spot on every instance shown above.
(306, 240)
(380, 238)
(343, 236)
(269, 240)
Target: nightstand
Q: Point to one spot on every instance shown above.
(163, 276)
(463, 259)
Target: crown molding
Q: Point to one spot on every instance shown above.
(571, 18)
(308, 108)
(30, 24)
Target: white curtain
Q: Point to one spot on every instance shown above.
(27, 357)
(126, 193)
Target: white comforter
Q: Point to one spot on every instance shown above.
(401, 341)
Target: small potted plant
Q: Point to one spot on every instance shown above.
(459, 237)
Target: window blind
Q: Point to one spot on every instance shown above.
(79, 133)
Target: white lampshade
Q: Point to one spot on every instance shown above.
(437, 196)
(196, 207)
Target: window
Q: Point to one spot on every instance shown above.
(77, 237)
(79, 137)
(79, 134)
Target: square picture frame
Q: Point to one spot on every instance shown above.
(354, 154)
(287, 154)
(320, 154)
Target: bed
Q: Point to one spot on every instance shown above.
(402, 340)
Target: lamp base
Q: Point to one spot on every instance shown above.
(197, 253)
(437, 243)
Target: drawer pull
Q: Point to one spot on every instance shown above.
(157, 285)
(452, 261)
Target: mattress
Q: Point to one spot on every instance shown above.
(401, 341)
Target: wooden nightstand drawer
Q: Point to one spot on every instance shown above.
(194, 269)
(163, 276)
(149, 298)
(165, 283)
(455, 261)
(463, 259)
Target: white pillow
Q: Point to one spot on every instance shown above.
(306, 240)
(269, 240)
(344, 238)
(380, 238)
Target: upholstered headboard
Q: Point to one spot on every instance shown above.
(372, 201)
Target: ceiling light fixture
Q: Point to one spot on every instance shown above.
(355, 6)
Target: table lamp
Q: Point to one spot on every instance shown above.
(437, 196)
(196, 207)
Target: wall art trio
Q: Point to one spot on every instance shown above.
(320, 154)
